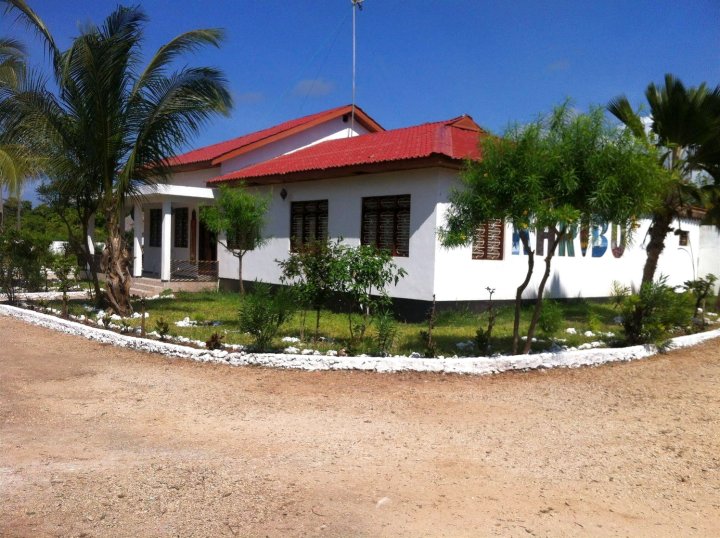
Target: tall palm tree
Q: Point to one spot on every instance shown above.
(12, 68)
(685, 129)
(111, 126)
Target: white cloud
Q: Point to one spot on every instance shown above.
(314, 87)
(250, 98)
(560, 65)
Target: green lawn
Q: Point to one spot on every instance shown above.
(450, 327)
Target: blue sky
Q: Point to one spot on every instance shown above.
(424, 60)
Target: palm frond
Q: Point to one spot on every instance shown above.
(31, 19)
(620, 108)
(186, 42)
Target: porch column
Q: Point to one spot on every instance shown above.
(90, 240)
(138, 229)
(166, 238)
(91, 236)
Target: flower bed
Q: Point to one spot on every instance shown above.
(460, 365)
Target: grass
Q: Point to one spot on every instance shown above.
(450, 328)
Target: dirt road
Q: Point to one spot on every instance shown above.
(97, 441)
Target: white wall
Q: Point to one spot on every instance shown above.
(709, 251)
(344, 197)
(329, 130)
(458, 277)
(452, 274)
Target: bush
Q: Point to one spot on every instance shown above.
(386, 331)
(215, 341)
(262, 313)
(653, 314)
(551, 317)
(701, 288)
(161, 326)
(20, 263)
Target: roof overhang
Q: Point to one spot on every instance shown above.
(163, 190)
(432, 161)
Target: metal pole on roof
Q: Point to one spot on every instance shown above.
(356, 5)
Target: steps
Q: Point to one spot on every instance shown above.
(147, 287)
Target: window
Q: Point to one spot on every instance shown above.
(155, 227)
(308, 223)
(181, 227)
(682, 237)
(386, 223)
(488, 241)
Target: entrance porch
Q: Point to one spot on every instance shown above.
(170, 243)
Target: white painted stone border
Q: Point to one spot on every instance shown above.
(462, 365)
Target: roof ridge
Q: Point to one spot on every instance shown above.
(276, 126)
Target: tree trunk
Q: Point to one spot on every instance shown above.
(541, 289)
(240, 278)
(2, 209)
(519, 292)
(116, 262)
(658, 231)
(17, 214)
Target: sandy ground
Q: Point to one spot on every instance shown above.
(99, 441)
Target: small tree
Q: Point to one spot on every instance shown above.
(314, 271)
(240, 216)
(367, 272)
(65, 268)
(552, 175)
(700, 288)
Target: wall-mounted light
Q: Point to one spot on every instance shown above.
(283, 193)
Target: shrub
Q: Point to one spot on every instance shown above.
(20, 263)
(653, 314)
(594, 322)
(618, 293)
(215, 341)
(162, 327)
(551, 317)
(386, 331)
(700, 288)
(262, 313)
(65, 268)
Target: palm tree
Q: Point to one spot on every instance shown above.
(12, 68)
(112, 127)
(685, 129)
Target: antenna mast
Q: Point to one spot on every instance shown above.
(356, 6)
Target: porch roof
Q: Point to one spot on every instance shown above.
(161, 190)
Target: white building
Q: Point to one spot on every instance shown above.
(329, 175)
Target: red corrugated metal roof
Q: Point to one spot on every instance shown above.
(216, 153)
(456, 139)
